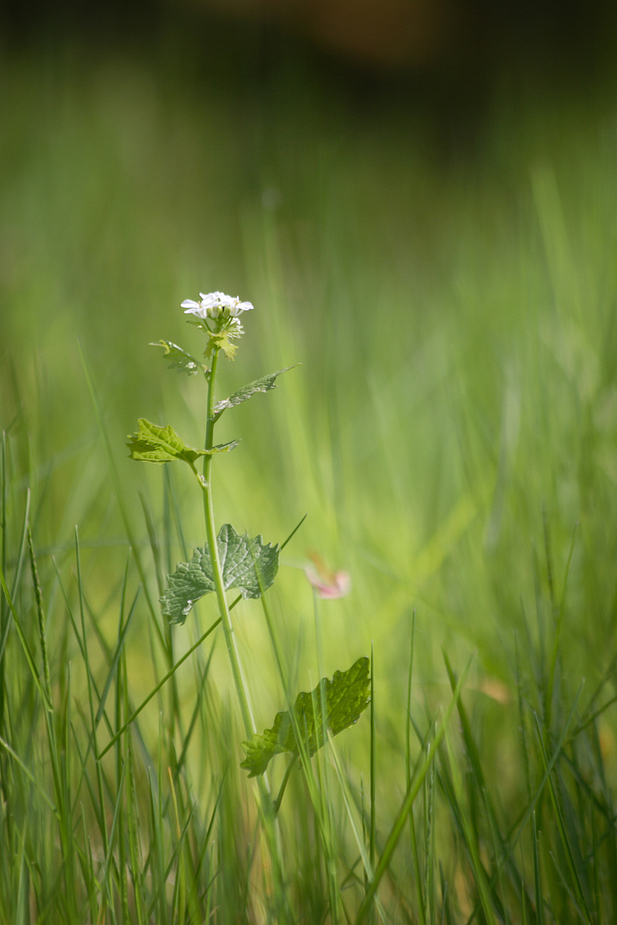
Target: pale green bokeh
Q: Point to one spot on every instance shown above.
(454, 318)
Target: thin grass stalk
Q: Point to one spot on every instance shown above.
(179, 893)
(591, 718)
(348, 802)
(325, 807)
(429, 846)
(565, 840)
(611, 841)
(38, 597)
(97, 810)
(324, 815)
(61, 777)
(134, 848)
(21, 554)
(121, 768)
(60, 754)
(157, 688)
(155, 863)
(579, 811)
(30, 776)
(518, 828)
(537, 872)
(368, 870)
(480, 879)
(88, 874)
(25, 881)
(115, 658)
(177, 520)
(522, 725)
(187, 738)
(6, 824)
(111, 874)
(480, 789)
(123, 509)
(25, 646)
(372, 769)
(314, 784)
(153, 543)
(4, 611)
(549, 561)
(415, 853)
(410, 796)
(173, 712)
(498, 872)
(598, 912)
(90, 691)
(566, 892)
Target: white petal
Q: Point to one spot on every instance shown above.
(238, 307)
(198, 312)
(212, 297)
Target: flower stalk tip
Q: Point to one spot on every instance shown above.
(218, 315)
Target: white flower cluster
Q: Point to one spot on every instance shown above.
(215, 305)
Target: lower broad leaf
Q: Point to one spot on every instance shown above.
(247, 563)
(344, 698)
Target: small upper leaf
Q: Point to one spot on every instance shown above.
(179, 359)
(162, 444)
(220, 340)
(344, 698)
(247, 564)
(259, 385)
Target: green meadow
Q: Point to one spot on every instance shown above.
(449, 429)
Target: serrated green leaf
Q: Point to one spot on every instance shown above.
(179, 359)
(259, 385)
(247, 564)
(162, 444)
(345, 697)
(220, 341)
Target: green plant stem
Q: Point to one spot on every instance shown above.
(266, 810)
(292, 764)
(230, 640)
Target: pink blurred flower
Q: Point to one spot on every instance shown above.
(328, 584)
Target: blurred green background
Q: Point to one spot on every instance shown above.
(431, 233)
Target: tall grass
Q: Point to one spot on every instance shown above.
(451, 434)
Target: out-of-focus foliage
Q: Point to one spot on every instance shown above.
(444, 274)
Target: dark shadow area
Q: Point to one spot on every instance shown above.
(519, 48)
(567, 41)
